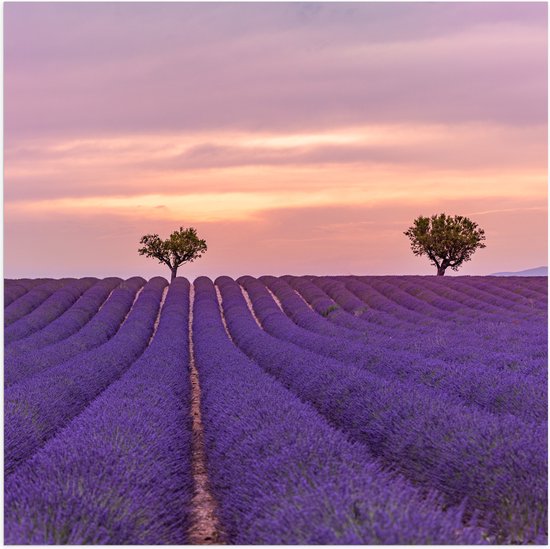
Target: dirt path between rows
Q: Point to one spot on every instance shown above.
(250, 306)
(205, 527)
(224, 322)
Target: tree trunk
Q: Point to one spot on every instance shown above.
(174, 273)
(441, 271)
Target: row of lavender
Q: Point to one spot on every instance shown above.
(431, 435)
(300, 378)
(98, 447)
(498, 336)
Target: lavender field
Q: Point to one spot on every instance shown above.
(277, 410)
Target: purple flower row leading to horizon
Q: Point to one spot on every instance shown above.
(14, 289)
(124, 462)
(508, 393)
(47, 311)
(335, 410)
(28, 356)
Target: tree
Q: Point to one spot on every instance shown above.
(447, 241)
(182, 246)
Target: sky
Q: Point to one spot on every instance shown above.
(297, 138)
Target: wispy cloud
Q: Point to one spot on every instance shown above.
(393, 156)
(325, 239)
(307, 130)
(193, 67)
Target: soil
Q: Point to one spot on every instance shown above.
(205, 527)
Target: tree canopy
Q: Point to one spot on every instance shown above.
(447, 241)
(180, 247)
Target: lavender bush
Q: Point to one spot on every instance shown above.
(36, 408)
(32, 299)
(48, 311)
(498, 462)
(13, 292)
(83, 310)
(14, 289)
(120, 473)
(282, 475)
(342, 409)
(20, 364)
(508, 393)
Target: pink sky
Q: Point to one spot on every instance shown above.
(296, 138)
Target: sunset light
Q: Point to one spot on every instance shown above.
(276, 273)
(321, 110)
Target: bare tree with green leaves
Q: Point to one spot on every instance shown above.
(181, 247)
(447, 241)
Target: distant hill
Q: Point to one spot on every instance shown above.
(537, 271)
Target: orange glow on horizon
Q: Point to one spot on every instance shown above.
(316, 149)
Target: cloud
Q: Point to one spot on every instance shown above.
(175, 164)
(310, 132)
(327, 239)
(454, 148)
(97, 69)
